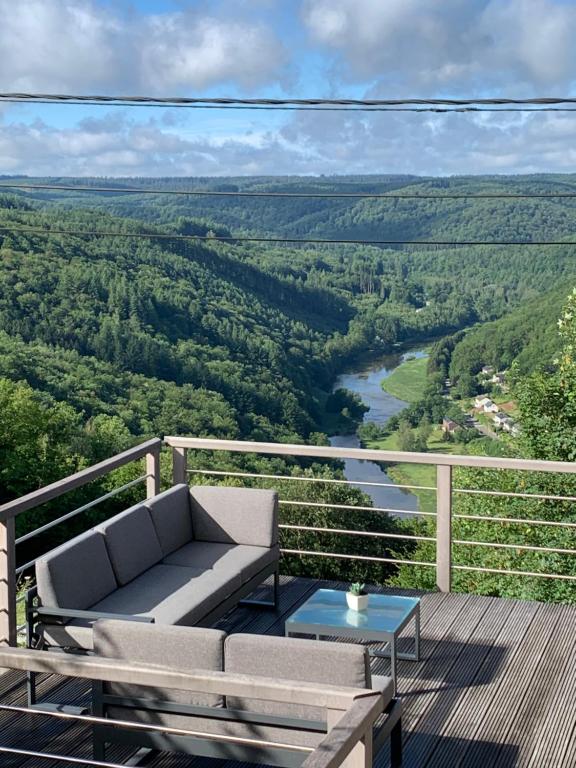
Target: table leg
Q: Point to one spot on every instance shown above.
(417, 634)
(393, 664)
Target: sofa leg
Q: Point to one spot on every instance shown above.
(265, 603)
(276, 588)
(396, 745)
(31, 688)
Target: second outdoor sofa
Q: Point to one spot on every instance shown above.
(184, 557)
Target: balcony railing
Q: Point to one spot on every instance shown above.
(444, 490)
(444, 516)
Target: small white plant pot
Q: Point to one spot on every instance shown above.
(357, 602)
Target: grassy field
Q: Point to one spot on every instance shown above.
(408, 381)
(417, 474)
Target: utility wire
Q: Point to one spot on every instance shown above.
(224, 101)
(437, 110)
(281, 240)
(417, 105)
(314, 195)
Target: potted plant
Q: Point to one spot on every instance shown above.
(357, 597)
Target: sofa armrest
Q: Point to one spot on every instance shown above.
(74, 613)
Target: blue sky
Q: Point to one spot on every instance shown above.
(296, 48)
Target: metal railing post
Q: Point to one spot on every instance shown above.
(179, 465)
(444, 527)
(7, 582)
(153, 472)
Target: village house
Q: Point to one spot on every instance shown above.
(449, 426)
(481, 400)
(487, 370)
(503, 421)
(490, 407)
(498, 378)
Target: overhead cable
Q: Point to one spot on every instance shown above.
(280, 240)
(437, 105)
(315, 195)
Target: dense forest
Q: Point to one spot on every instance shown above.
(155, 326)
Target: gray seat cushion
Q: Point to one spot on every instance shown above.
(172, 518)
(176, 648)
(235, 515)
(172, 594)
(287, 658)
(77, 574)
(132, 543)
(235, 558)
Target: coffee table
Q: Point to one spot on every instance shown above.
(326, 614)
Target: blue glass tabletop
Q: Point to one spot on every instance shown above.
(328, 608)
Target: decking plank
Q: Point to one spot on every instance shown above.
(468, 647)
(544, 694)
(514, 686)
(477, 699)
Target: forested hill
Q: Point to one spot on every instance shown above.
(224, 339)
(526, 339)
(451, 208)
(167, 335)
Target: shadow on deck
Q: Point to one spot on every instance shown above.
(495, 687)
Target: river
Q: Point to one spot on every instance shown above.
(366, 382)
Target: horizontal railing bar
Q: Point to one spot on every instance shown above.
(518, 520)
(365, 454)
(20, 599)
(21, 627)
(526, 547)
(81, 509)
(374, 534)
(27, 565)
(224, 473)
(510, 572)
(133, 725)
(77, 480)
(82, 761)
(354, 507)
(514, 494)
(367, 558)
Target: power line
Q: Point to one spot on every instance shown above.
(314, 195)
(435, 105)
(437, 110)
(281, 240)
(224, 101)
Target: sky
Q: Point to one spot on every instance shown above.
(292, 49)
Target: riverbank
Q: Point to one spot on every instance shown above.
(408, 381)
(423, 475)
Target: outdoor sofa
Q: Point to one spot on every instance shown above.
(184, 557)
(281, 658)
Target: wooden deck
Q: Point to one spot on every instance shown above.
(496, 688)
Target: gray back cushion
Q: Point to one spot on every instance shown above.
(131, 542)
(287, 658)
(235, 515)
(172, 518)
(173, 647)
(76, 575)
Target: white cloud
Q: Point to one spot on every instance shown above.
(310, 143)
(78, 45)
(437, 44)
